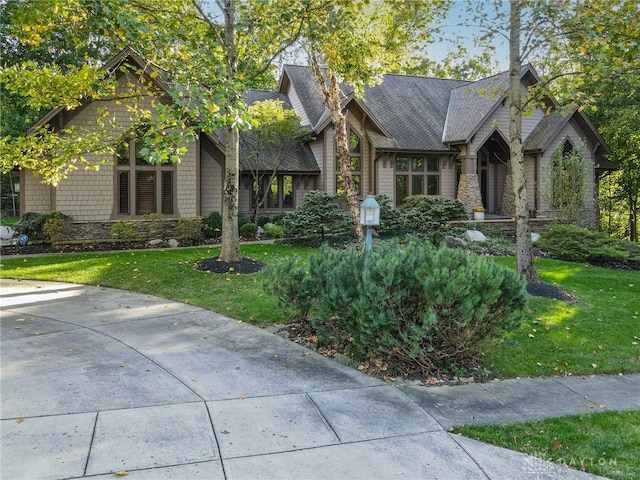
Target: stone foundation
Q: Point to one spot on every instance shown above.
(96, 232)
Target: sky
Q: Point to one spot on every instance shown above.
(453, 26)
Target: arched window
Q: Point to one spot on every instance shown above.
(143, 187)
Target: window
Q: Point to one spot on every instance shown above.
(143, 188)
(279, 193)
(355, 153)
(417, 176)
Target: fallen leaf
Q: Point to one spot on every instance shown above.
(275, 355)
(591, 405)
(602, 406)
(122, 473)
(556, 444)
(594, 365)
(531, 335)
(20, 320)
(17, 328)
(305, 354)
(194, 380)
(122, 365)
(225, 432)
(240, 397)
(19, 421)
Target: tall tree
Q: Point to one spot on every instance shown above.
(208, 64)
(351, 44)
(517, 105)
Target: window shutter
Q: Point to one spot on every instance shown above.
(167, 193)
(123, 193)
(146, 193)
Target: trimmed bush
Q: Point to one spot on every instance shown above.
(273, 231)
(428, 215)
(243, 220)
(126, 230)
(212, 225)
(33, 225)
(263, 220)
(190, 229)
(248, 230)
(321, 213)
(575, 244)
(413, 304)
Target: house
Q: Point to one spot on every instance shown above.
(409, 135)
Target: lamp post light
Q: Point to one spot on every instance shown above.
(369, 217)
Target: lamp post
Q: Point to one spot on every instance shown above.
(369, 217)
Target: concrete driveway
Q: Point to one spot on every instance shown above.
(96, 381)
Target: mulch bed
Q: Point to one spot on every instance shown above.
(213, 265)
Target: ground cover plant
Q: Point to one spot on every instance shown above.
(605, 443)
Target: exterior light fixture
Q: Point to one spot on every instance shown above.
(369, 217)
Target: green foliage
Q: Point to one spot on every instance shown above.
(320, 213)
(190, 228)
(411, 303)
(289, 281)
(33, 225)
(56, 227)
(390, 219)
(243, 220)
(263, 220)
(248, 230)
(568, 173)
(429, 214)
(212, 225)
(567, 242)
(126, 231)
(273, 231)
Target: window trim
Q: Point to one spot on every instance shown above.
(424, 173)
(133, 169)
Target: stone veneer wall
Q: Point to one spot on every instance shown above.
(469, 192)
(507, 227)
(100, 231)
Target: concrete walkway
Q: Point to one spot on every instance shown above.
(97, 381)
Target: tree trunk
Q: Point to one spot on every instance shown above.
(524, 245)
(230, 249)
(331, 99)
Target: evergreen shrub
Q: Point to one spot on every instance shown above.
(33, 225)
(321, 213)
(411, 303)
(212, 225)
(248, 230)
(190, 229)
(429, 214)
(126, 230)
(575, 244)
(274, 231)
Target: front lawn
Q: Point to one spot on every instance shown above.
(600, 333)
(604, 443)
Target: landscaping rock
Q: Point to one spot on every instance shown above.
(474, 236)
(453, 242)
(173, 243)
(154, 243)
(535, 237)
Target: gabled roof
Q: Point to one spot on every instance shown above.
(125, 54)
(297, 158)
(471, 104)
(546, 130)
(410, 111)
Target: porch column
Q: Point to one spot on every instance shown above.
(469, 186)
(508, 207)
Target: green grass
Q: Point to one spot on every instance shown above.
(166, 273)
(601, 443)
(598, 334)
